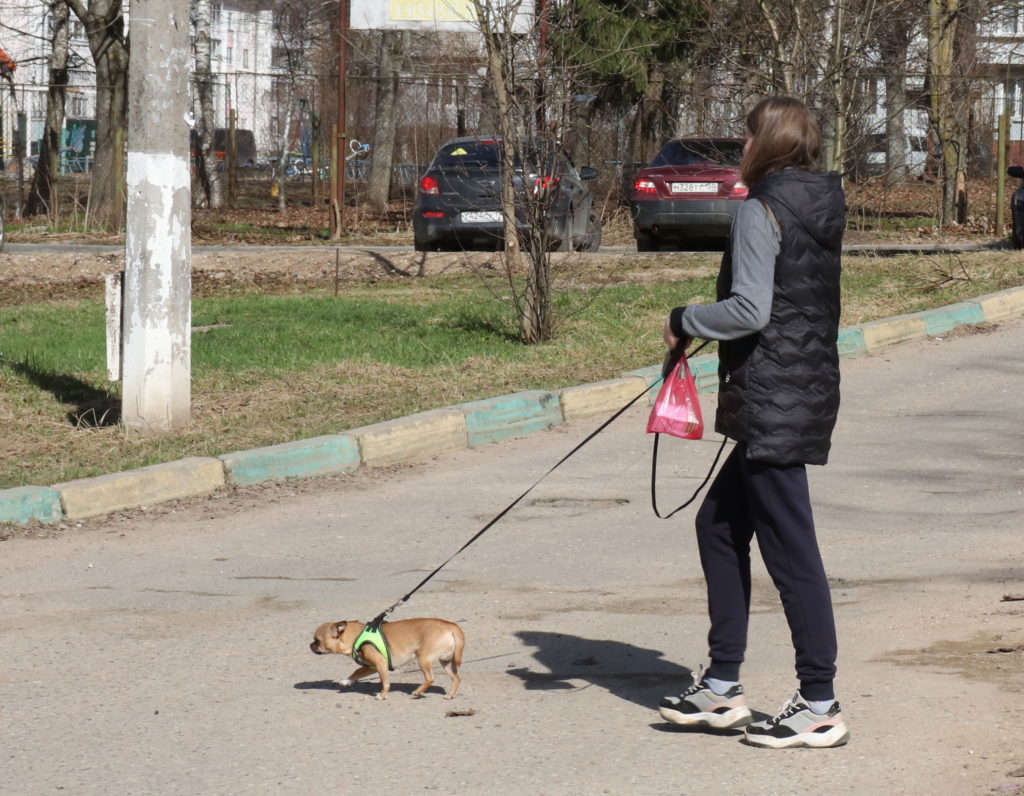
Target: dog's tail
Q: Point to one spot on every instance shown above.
(458, 645)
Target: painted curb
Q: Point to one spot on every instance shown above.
(23, 504)
(90, 497)
(437, 431)
(405, 439)
(496, 419)
(601, 396)
(1002, 305)
(306, 458)
(901, 329)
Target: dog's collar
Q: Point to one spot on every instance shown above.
(375, 638)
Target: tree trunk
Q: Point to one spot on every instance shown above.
(392, 44)
(942, 19)
(893, 48)
(42, 195)
(211, 178)
(104, 28)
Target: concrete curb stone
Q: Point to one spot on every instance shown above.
(494, 419)
(430, 433)
(305, 458)
(23, 504)
(600, 396)
(103, 494)
(418, 436)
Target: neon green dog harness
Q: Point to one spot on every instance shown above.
(372, 635)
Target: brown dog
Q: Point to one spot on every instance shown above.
(431, 640)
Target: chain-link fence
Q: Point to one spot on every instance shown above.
(264, 120)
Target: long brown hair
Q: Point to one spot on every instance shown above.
(783, 133)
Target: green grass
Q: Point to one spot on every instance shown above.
(294, 361)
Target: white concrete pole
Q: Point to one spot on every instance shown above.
(157, 358)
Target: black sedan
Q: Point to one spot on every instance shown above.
(458, 201)
(1017, 208)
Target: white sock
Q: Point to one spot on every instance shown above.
(819, 706)
(720, 687)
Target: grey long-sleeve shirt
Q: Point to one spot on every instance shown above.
(756, 241)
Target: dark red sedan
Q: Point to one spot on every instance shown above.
(688, 194)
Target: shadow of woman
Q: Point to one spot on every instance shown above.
(628, 671)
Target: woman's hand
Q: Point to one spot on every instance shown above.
(672, 341)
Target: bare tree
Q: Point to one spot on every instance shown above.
(298, 31)
(42, 194)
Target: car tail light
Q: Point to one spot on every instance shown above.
(740, 188)
(429, 186)
(433, 214)
(645, 186)
(542, 184)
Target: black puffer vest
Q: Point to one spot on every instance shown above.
(779, 388)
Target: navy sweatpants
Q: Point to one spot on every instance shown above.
(771, 502)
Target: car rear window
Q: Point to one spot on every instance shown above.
(487, 154)
(690, 153)
(472, 154)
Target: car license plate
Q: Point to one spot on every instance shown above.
(481, 217)
(693, 187)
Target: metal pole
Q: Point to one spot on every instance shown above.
(1001, 140)
(340, 147)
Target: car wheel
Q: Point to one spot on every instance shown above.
(1016, 236)
(647, 243)
(421, 246)
(591, 241)
(565, 240)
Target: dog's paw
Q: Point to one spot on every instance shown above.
(346, 683)
(382, 696)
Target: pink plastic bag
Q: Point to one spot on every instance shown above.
(677, 409)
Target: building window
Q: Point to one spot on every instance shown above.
(1009, 19)
(231, 55)
(245, 59)
(280, 58)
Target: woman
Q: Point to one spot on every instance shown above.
(777, 320)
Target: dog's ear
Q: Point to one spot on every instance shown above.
(339, 628)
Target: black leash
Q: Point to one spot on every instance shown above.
(375, 623)
(693, 497)
(670, 362)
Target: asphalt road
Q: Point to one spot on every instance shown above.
(167, 653)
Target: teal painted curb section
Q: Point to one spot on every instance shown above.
(494, 419)
(943, 319)
(705, 372)
(851, 342)
(22, 504)
(307, 458)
